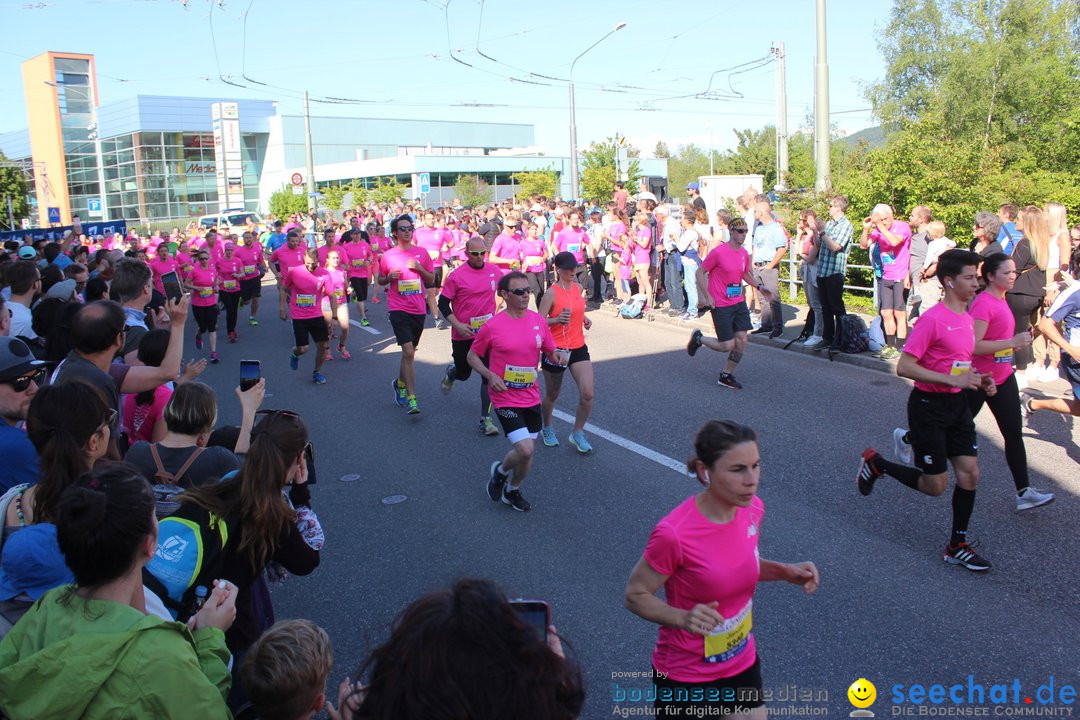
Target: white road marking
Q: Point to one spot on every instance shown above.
(356, 323)
(658, 458)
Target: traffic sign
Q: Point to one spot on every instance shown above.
(93, 207)
(297, 179)
(297, 190)
(425, 183)
(54, 215)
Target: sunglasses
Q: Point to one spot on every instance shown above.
(109, 421)
(405, 229)
(476, 253)
(20, 384)
(519, 291)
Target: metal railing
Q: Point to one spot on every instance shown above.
(794, 280)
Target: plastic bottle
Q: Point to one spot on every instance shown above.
(200, 598)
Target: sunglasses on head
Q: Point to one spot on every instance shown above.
(519, 291)
(108, 422)
(20, 384)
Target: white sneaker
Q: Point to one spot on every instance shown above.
(901, 449)
(1032, 498)
(814, 341)
(1048, 375)
(1021, 379)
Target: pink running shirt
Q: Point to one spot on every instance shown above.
(895, 259)
(159, 268)
(305, 300)
(507, 247)
(431, 240)
(942, 341)
(572, 241)
(286, 258)
(229, 271)
(1000, 325)
(725, 267)
(513, 346)
(249, 260)
(355, 256)
(472, 293)
(407, 292)
(203, 280)
(532, 254)
(335, 285)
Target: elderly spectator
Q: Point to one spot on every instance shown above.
(892, 238)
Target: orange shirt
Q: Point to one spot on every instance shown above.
(572, 336)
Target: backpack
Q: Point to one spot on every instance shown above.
(190, 554)
(166, 485)
(854, 337)
(633, 308)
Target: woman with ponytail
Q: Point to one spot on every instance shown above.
(90, 650)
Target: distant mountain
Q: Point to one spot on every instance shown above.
(873, 136)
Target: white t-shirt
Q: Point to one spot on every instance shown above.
(934, 249)
(21, 320)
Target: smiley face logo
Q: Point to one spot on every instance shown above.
(862, 693)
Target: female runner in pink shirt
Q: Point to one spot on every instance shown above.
(335, 304)
(203, 284)
(705, 555)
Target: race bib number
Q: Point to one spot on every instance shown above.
(1004, 356)
(573, 247)
(228, 284)
(478, 322)
(519, 377)
(959, 367)
(409, 287)
(205, 292)
(304, 301)
(357, 262)
(434, 254)
(532, 260)
(733, 290)
(250, 269)
(339, 296)
(887, 258)
(730, 637)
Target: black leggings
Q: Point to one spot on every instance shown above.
(1005, 405)
(1022, 307)
(596, 267)
(536, 285)
(205, 317)
(231, 300)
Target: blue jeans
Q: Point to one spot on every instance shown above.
(673, 280)
(690, 266)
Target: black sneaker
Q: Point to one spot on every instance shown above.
(694, 344)
(868, 474)
(777, 332)
(762, 329)
(496, 482)
(728, 380)
(964, 554)
(513, 498)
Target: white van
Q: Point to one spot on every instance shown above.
(233, 221)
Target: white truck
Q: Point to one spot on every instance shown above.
(719, 191)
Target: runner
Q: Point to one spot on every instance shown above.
(534, 260)
(330, 242)
(202, 281)
(230, 271)
(289, 255)
(728, 267)
(253, 267)
(434, 241)
(506, 249)
(379, 244)
(938, 357)
(467, 302)
(564, 308)
(573, 239)
(335, 304)
(359, 257)
(513, 341)
(161, 264)
(1064, 309)
(406, 269)
(704, 554)
(305, 307)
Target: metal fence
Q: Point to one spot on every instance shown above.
(793, 279)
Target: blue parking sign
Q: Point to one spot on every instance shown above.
(93, 207)
(425, 183)
(54, 215)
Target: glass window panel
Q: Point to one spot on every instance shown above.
(71, 65)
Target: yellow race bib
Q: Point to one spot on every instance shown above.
(409, 287)
(1004, 356)
(520, 377)
(478, 322)
(730, 637)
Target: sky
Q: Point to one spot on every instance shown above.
(665, 76)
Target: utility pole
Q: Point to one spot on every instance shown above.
(310, 158)
(781, 124)
(822, 126)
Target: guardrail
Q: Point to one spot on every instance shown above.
(793, 279)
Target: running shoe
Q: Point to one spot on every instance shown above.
(400, 396)
(497, 481)
(446, 384)
(345, 354)
(232, 337)
(578, 440)
(686, 317)
(1025, 411)
(414, 409)
(294, 361)
(513, 498)
(776, 332)
(252, 322)
(1048, 375)
(888, 353)
(813, 342)
(1033, 498)
(728, 380)
(214, 359)
(548, 433)
(487, 427)
(364, 322)
(901, 447)
(868, 474)
(198, 341)
(375, 300)
(694, 344)
(329, 355)
(318, 378)
(964, 554)
(441, 324)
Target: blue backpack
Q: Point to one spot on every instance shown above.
(633, 308)
(190, 554)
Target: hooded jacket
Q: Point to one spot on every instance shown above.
(71, 657)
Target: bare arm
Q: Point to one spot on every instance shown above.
(988, 347)
(144, 377)
(802, 573)
(1049, 328)
(641, 599)
(908, 367)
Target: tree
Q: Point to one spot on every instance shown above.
(661, 150)
(472, 191)
(598, 169)
(333, 196)
(13, 186)
(284, 203)
(384, 191)
(538, 182)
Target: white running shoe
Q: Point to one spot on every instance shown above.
(1033, 498)
(901, 449)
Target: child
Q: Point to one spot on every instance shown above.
(284, 672)
(929, 287)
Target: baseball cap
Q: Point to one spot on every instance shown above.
(565, 261)
(62, 290)
(16, 359)
(27, 252)
(693, 186)
(32, 563)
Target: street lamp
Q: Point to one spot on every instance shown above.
(573, 120)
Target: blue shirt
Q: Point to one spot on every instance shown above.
(275, 241)
(20, 463)
(767, 240)
(1008, 236)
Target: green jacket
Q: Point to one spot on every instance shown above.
(69, 657)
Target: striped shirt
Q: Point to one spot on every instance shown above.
(835, 263)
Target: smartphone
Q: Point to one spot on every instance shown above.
(536, 613)
(171, 282)
(250, 372)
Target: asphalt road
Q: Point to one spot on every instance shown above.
(888, 608)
